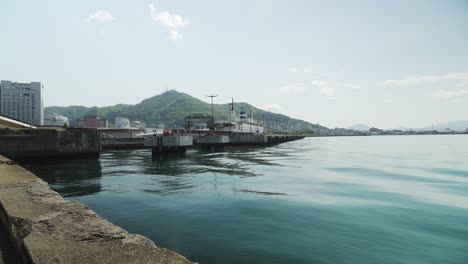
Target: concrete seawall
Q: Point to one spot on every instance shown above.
(40, 143)
(42, 227)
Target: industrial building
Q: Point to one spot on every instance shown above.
(92, 121)
(22, 101)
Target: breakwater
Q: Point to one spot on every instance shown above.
(243, 140)
(40, 143)
(42, 227)
(177, 144)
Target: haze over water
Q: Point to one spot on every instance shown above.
(387, 199)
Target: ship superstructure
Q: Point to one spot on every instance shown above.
(244, 124)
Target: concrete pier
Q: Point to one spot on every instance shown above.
(122, 143)
(162, 145)
(42, 227)
(246, 140)
(277, 139)
(213, 142)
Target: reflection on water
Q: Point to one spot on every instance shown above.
(75, 177)
(230, 161)
(319, 200)
(172, 174)
(259, 192)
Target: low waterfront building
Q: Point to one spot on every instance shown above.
(92, 121)
(138, 124)
(22, 101)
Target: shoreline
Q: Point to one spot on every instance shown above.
(43, 227)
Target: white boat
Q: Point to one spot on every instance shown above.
(242, 124)
(199, 123)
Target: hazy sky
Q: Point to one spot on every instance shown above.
(337, 63)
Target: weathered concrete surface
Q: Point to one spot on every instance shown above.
(7, 254)
(276, 139)
(122, 143)
(45, 228)
(39, 143)
(168, 141)
(213, 140)
(248, 140)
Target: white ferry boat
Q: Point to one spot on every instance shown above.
(242, 124)
(199, 123)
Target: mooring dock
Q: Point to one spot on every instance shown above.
(276, 139)
(168, 144)
(177, 144)
(244, 140)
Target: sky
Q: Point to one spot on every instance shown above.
(387, 64)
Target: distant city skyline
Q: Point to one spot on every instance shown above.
(336, 63)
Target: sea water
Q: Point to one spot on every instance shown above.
(378, 199)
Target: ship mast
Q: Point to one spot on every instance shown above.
(230, 116)
(212, 111)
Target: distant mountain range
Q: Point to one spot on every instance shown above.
(360, 127)
(171, 107)
(459, 125)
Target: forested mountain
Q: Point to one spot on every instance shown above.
(172, 107)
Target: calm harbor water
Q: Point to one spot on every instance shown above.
(387, 199)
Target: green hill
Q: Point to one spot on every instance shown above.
(171, 107)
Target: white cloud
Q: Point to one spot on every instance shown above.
(351, 86)
(170, 21)
(414, 80)
(450, 94)
(298, 70)
(101, 32)
(328, 92)
(100, 16)
(462, 84)
(263, 8)
(321, 82)
(328, 87)
(272, 108)
(318, 83)
(293, 88)
(307, 70)
(174, 35)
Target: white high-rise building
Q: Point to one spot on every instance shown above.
(22, 101)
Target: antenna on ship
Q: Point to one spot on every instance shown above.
(230, 116)
(212, 111)
(250, 121)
